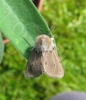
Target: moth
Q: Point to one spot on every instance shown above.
(44, 59)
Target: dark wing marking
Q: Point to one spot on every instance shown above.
(34, 65)
(52, 65)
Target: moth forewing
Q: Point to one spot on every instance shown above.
(34, 65)
(52, 65)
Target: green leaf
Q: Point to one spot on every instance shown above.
(17, 19)
(1, 48)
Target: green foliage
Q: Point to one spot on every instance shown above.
(1, 48)
(17, 19)
(70, 36)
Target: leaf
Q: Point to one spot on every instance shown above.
(17, 19)
(1, 48)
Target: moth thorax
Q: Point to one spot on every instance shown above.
(44, 43)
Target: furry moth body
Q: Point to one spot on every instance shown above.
(44, 59)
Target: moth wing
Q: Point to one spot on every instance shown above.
(34, 65)
(52, 65)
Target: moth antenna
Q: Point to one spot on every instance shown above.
(32, 48)
(52, 29)
(41, 32)
(37, 28)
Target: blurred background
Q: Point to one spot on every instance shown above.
(70, 35)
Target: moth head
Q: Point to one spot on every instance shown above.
(44, 43)
(43, 40)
